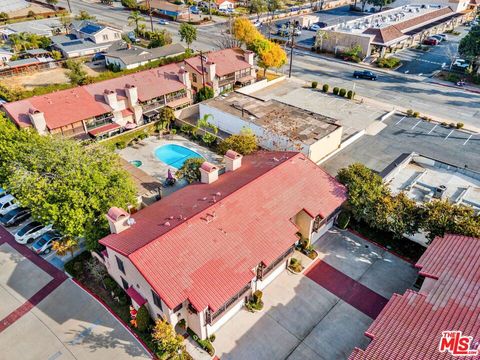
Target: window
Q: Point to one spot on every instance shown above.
(156, 300)
(117, 35)
(194, 77)
(178, 308)
(124, 283)
(105, 37)
(120, 265)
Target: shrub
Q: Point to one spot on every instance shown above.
(416, 114)
(244, 143)
(190, 170)
(122, 144)
(212, 338)
(343, 220)
(257, 297)
(110, 284)
(444, 123)
(31, 13)
(460, 125)
(314, 84)
(452, 125)
(325, 88)
(350, 94)
(295, 265)
(336, 90)
(143, 319)
(409, 112)
(388, 63)
(342, 92)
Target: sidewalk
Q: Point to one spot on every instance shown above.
(470, 88)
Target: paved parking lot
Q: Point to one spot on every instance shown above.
(307, 317)
(405, 135)
(45, 315)
(425, 63)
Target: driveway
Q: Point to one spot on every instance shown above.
(323, 313)
(45, 315)
(402, 134)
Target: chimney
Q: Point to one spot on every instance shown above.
(184, 77)
(233, 160)
(110, 97)
(210, 68)
(38, 120)
(209, 173)
(119, 220)
(248, 55)
(132, 94)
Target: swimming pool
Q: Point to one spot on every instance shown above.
(175, 155)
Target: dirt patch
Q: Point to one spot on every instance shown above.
(36, 8)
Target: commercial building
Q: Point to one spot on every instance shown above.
(222, 70)
(127, 56)
(395, 29)
(168, 9)
(105, 108)
(198, 253)
(85, 38)
(278, 126)
(412, 325)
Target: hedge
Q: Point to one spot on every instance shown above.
(121, 141)
(388, 63)
(342, 92)
(336, 90)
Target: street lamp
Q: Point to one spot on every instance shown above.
(292, 35)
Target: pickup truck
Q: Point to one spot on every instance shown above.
(364, 74)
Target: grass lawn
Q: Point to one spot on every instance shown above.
(404, 247)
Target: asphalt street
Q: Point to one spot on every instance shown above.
(397, 89)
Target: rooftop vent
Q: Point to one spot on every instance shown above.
(440, 192)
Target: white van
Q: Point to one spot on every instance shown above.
(7, 203)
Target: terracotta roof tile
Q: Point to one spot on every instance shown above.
(227, 61)
(217, 233)
(410, 325)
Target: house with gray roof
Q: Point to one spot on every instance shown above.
(128, 56)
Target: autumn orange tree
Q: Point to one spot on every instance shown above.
(244, 31)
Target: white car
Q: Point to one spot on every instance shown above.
(460, 63)
(257, 23)
(7, 203)
(314, 27)
(163, 22)
(297, 32)
(30, 232)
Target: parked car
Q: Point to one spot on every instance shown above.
(438, 37)
(314, 27)
(461, 63)
(98, 56)
(30, 231)
(131, 36)
(430, 41)
(297, 32)
(43, 244)
(443, 36)
(163, 22)
(15, 217)
(364, 74)
(2, 192)
(257, 23)
(7, 203)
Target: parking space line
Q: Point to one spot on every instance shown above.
(399, 121)
(331, 102)
(467, 139)
(432, 129)
(450, 133)
(414, 126)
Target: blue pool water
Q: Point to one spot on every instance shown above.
(175, 155)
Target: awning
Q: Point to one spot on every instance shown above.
(245, 79)
(103, 129)
(130, 126)
(135, 296)
(178, 102)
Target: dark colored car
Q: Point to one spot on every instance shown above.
(43, 244)
(365, 74)
(15, 217)
(430, 41)
(98, 57)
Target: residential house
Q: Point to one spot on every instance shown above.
(102, 109)
(168, 9)
(222, 70)
(412, 325)
(278, 126)
(5, 56)
(85, 38)
(42, 27)
(126, 56)
(224, 4)
(198, 253)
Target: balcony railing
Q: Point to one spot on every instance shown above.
(154, 105)
(210, 317)
(226, 80)
(97, 122)
(176, 97)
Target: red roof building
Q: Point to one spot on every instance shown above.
(411, 325)
(203, 245)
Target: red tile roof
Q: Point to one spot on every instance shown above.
(202, 242)
(66, 107)
(103, 129)
(410, 325)
(419, 20)
(227, 61)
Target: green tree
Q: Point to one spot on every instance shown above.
(159, 38)
(130, 4)
(65, 246)
(190, 170)
(258, 7)
(380, 3)
(366, 192)
(135, 18)
(204, 93)
(62, 182)
(169, 343)
(166, 117)
(56, 55)
(76, 74)
(188, 33)
(65, 21)
(210, 130)
(3, 16)
(244, 143)
(469, 46)
(84, 15)
(143, 319)
(52, 2)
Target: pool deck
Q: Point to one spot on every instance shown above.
(145, 152)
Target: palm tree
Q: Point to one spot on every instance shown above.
(135, 18)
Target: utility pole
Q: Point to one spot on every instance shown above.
(203, 69)
(150, 14)
(69, 6)
(291, 49)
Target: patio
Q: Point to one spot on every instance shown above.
(144, 151)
